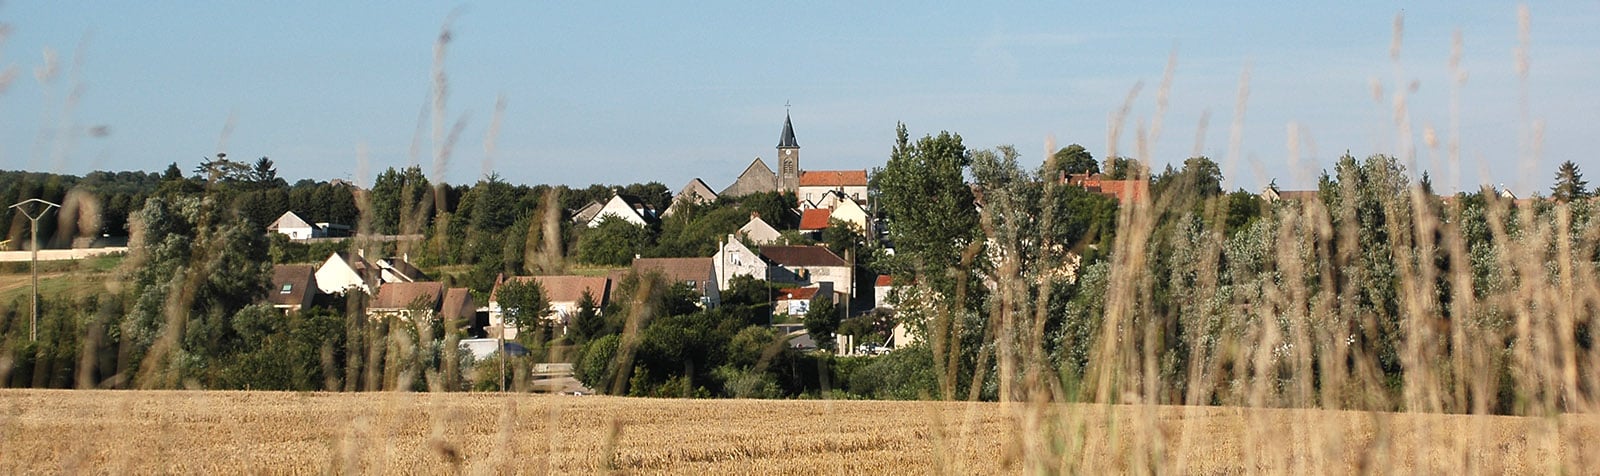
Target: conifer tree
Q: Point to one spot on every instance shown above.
(1569, 183)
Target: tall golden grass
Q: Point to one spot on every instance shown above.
(145, 432)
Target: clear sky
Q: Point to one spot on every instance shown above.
(596, 92)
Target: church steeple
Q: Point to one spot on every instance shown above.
(786, 141)
(788, 158)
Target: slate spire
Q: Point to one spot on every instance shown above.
(787, 140)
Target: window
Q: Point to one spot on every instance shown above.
(690, 283)
(287, 288)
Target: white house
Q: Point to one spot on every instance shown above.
(291, 225)
(734, 259)
(627, 208)
(339, 274)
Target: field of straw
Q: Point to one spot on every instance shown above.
(146, 432)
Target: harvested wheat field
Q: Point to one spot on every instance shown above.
(123, 432)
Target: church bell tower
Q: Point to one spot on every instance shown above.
(788, 158)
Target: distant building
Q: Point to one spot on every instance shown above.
(586, 214)
(627, 208)
(794, 301)
(399, 270)
(816, 184)
(756, 178)
(759, 178)
(1125, 191)
(695, 192)
(291, 225)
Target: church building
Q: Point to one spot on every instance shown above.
(758, 178)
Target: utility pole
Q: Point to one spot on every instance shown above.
(34, 216)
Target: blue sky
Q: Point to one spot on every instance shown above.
(627, 93)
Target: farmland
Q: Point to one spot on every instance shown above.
(232, 432)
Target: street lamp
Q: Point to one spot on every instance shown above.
(34, 213)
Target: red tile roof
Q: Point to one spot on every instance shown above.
(815, 219)
(789, 294)
(884, 280)
(833, 178)
(801, 256)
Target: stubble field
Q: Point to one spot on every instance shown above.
(143, 432)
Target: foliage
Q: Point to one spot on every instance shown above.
(1072, 159)
(822, 320)
(523, 305)
(613, 242)
(400, 201)
(929, 207)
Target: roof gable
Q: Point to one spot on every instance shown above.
(288, 220)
